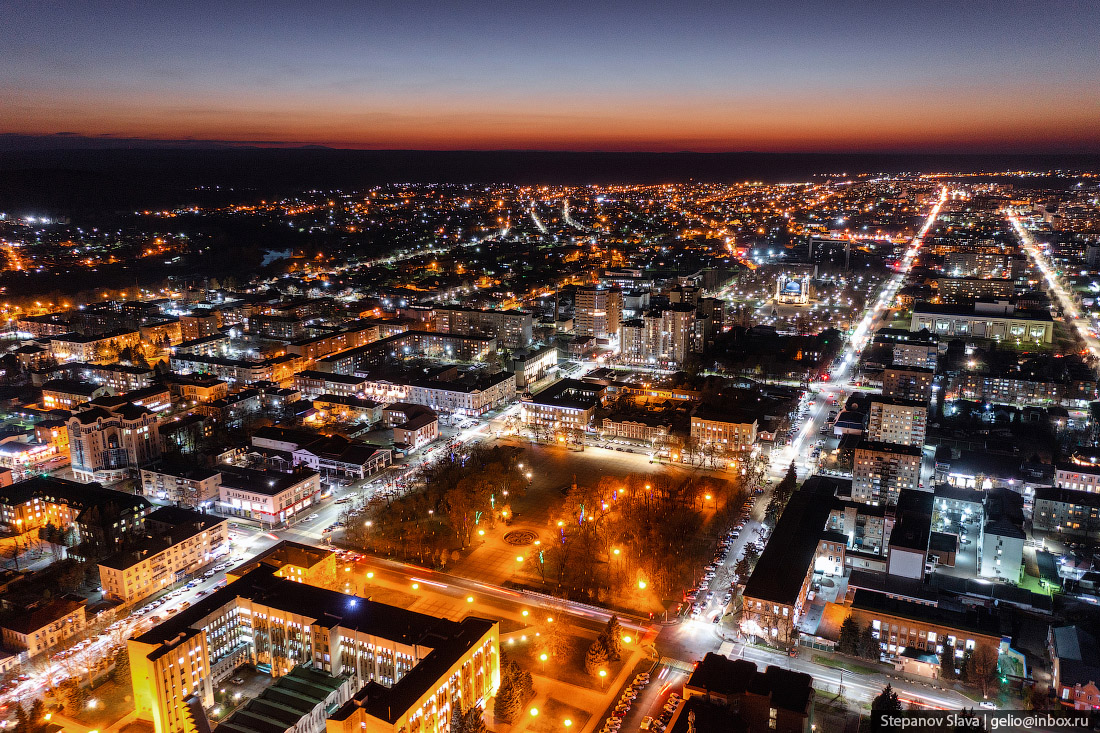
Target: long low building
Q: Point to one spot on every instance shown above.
(408, 668)
(997, 321)
(448, 346)
(1065, 511)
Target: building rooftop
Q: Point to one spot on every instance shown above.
(268, 483)
(34, 619)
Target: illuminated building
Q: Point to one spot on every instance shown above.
(792, 290)
(107, 444)
(597, 312)
(408, 668)
(178, 541)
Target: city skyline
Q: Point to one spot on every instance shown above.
(1008, 77)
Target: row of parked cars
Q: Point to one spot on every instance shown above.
(630, 694)
(659, 723)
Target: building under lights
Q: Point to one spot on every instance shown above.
(408, 669)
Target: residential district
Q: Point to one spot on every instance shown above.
(609, 458)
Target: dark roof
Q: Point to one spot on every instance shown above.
(419, 421)
(880, 447)
(788, 690)
(943, 542)
(82, 496)
(1078, 655)
(71, 386)
(965, 310)
(962, 618)
(782, 567)
(262, 482)
(30, 621)
(1066, 496)
(330, 377)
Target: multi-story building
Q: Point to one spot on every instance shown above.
(417, 431)
(43, 627)
(881, 471)
(185, 484)
(531, 366)
(101, 519)
(569, 404)
(215, 344)
(597, 312)
(512, 329)
(349, 409)
(776, 699)
(197, 388)
(66, 394)
(969, 289)
(901, 625)
(977, 264)
(775, 595)
(1066, 511)
(731, 429)
(997, 320)
(117, 377)
(336, 455)
(199, 324)
(409, 669)
(109, 444)
(350, 336)
(648, 428)
(409, 344)
(267, 496)
(664, 337)
(1080, 473)
(908, 383)
(85, 348)
(893, 420)
(1076, 667)
(179, 541)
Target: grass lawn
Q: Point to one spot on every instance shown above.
(389, 596)
(554, 713)
(113, 701)
(1031, 583)
(839, 664)
(569, 669)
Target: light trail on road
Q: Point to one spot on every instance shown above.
(1069, 308)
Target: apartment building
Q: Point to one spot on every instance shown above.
(41, 628)
(898, 421)
(512, 329)
(597, 312)
(186, 484)
(178, 541)
(881, 471)
(908, 383)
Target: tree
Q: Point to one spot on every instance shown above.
(947, 663)
(37, 714)
(868, 645)
(612, 637)
(980, 668)
(457, 719)
(22, 720)
(121, 671)
(596, 658)
(473, 721)
(516, 687)
(849, 637)
(886, 702)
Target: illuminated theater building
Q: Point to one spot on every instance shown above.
(408, 668)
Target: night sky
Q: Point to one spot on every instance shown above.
(845, 75)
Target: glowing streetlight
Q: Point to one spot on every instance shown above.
(641, 584)
(534, 712)
(469, 599)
